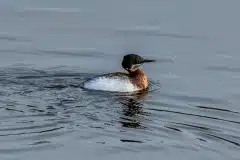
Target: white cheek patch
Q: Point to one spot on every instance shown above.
(135, 66)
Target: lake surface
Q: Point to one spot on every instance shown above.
(49, 48)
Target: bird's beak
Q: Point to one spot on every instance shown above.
(148, 60)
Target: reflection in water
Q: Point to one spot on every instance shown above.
(132, 110)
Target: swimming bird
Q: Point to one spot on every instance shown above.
(134, 80)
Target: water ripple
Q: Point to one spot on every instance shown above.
(224, 68)
(40, 107)
(149, 31)
(10, 38)
(189, 114)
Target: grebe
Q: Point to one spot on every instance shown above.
(134, 80)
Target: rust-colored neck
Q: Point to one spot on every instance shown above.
(139, 78)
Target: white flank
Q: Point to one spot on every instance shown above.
(111, 84)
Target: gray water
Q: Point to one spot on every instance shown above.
(48, 48)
